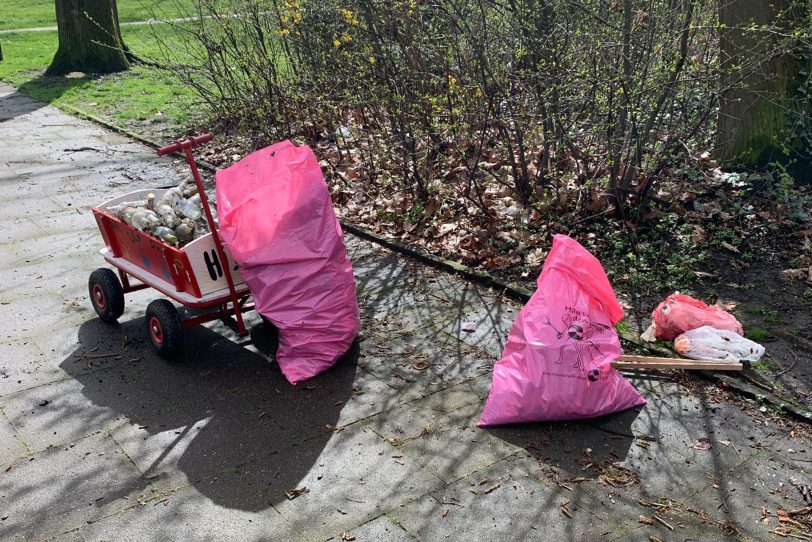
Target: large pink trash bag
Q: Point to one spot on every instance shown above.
(276, 217)
(556, 364)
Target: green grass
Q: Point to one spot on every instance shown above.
(142, 99)
(770, 317)
(623, 327)
(16, 14)
(756, 334)
(764, 366)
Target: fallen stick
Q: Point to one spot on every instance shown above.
(647, 362)
(97, 356)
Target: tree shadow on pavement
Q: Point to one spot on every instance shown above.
(17, 104)
(36, 94)
(576, 448)
(221, 411)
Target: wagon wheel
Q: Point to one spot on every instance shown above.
(106, 294)
(165, 329)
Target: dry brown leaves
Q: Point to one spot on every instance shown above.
(296, 492)
(616, 475)
(793, 523)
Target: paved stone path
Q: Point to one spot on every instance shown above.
(95, 446)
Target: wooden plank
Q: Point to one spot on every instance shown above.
(646, 362)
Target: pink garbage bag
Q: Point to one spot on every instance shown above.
(680, 313)
(276, 217)
(556, 363)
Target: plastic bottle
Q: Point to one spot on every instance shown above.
(188, 188)
(168, 216)
(167, 235)
(169, 197)
(126, 214)
(188, 209)
(144, 219)
(115, 210)
(151, 201)
(184, 232)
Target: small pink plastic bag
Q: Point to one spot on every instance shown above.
(277, 218)
(680, 313)
(556, 364)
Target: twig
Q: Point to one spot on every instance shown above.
(788, 369)
(493, 488)
(665, 523)
(82, 149)
(98, 356)
(791, 535)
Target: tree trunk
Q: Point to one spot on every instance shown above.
(759, 78)
(89, 38)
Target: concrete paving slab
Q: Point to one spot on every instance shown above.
(37, 315)
(72, 536)
(17, 229)
(157, 451)
(643, 533)
(418, 366)
(8, 259)
(23, 366)
(491, 314)
(56, 413)
(55, 247)
(33, 207)
(415, 418)
(189, 514)
(69, 221)
(361, 252)
(446, 443)
(26, 279)
(12, 445)
(499, 503)
(61, 489)
(220, 408)
(356, 473)
(381, 528)
(92, 344)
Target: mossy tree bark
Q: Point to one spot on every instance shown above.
(760, 74)
(89, 38)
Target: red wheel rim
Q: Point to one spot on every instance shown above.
(98, 297)
(156, 331)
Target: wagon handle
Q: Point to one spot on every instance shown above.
(186, 147)
(190, 143)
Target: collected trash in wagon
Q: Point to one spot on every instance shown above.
(680, 313)
(720, 344)
(556, 364)
(174, 215)
(194, 270)
(276, 217)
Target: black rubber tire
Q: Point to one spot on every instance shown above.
(106, 294)
(265, 321)
(165, 329)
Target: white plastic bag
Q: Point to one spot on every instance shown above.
(708, 343)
